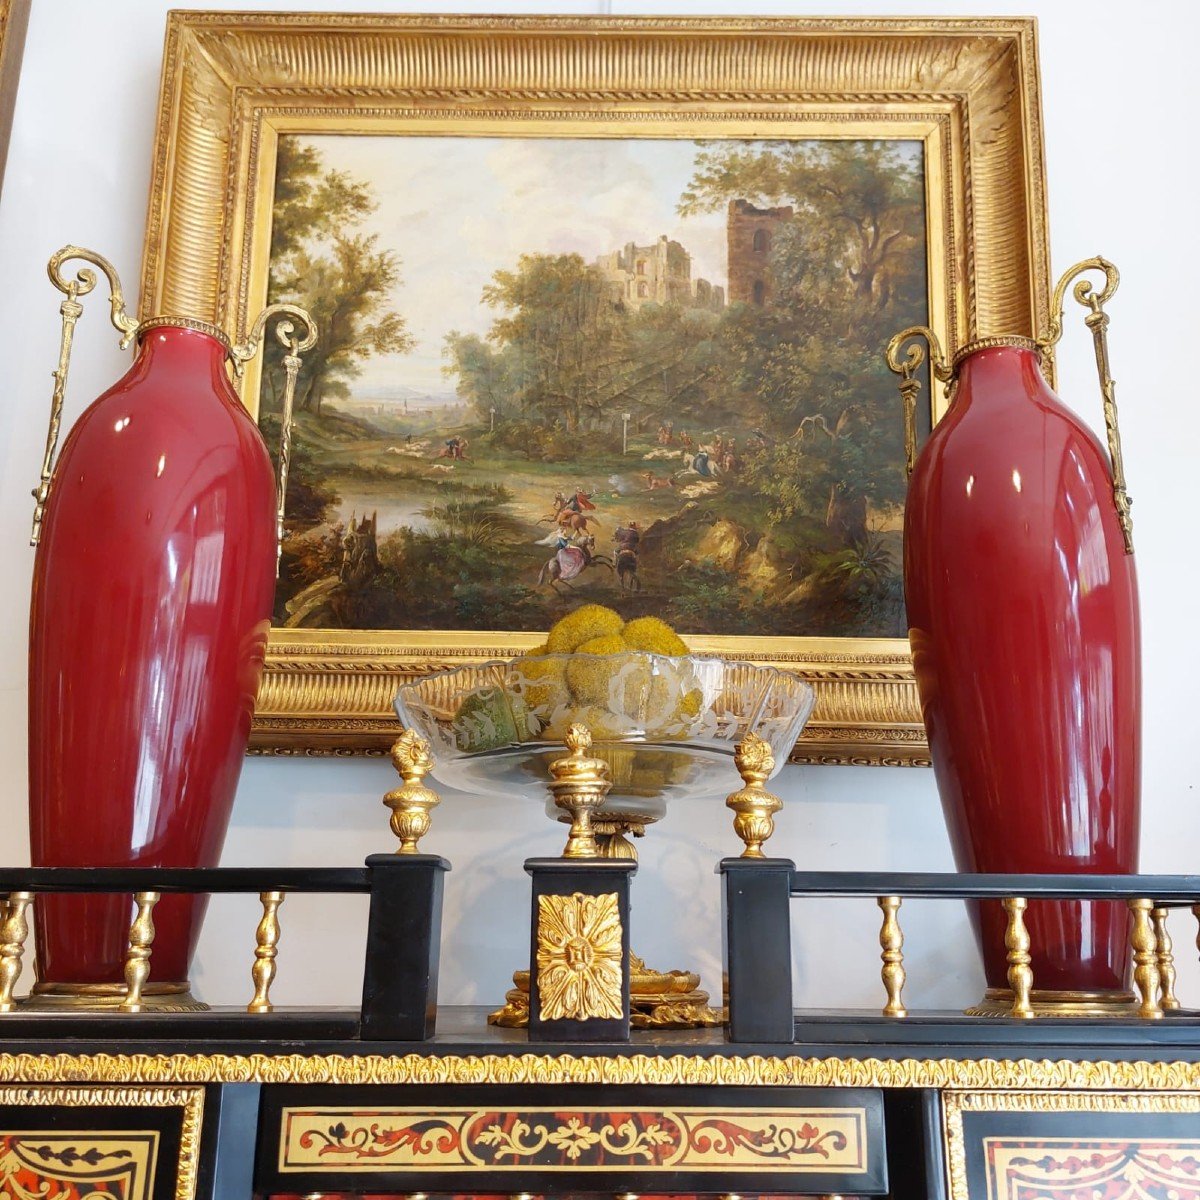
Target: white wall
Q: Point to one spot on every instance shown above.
(1120, 102)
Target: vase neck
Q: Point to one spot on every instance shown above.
(1007, 369)
(170, 347)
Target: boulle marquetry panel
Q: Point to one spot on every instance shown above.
(593, 1139)
(501, 1138)
(1073, 1146)
(88, 1143)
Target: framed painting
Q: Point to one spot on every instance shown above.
(583, 278)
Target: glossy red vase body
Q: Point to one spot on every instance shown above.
(1023, 615)
(152, 595)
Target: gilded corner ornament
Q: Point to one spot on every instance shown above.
(413, 802)
(579, 957)
(753, 806)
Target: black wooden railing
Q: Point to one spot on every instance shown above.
(757, 929)
(399, 995)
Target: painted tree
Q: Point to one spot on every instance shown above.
(864, 201)
(848, 270)
(341, 276)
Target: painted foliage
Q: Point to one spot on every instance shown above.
(646, 373)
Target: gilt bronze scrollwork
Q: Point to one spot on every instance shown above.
(910, 385)
(1097, 320)
(73, 287)
(286, 317)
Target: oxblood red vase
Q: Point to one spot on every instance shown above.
(1023, 614)
(152, 596)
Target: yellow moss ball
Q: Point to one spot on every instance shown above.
(612, 643)
(601, 723)
(583, 625)
(542, 683)
(538, 651)
(654, 635)
(589, 680)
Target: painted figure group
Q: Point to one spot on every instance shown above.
(575, 544)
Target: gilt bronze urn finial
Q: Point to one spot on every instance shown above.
(579, 784)
(753, 806)
(412, 802)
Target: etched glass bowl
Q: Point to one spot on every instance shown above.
(666, 726)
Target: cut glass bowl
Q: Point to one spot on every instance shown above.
(666, 726)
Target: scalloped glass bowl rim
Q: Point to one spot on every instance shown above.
(765, 672)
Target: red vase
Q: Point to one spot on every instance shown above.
(1023, 613)
(152, 596)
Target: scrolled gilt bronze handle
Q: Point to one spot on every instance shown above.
(83, 281)
(907, 367)
(1097, 321)
(286, 316)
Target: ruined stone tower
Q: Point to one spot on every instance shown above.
(750, 232)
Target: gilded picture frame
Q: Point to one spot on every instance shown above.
(233, 83)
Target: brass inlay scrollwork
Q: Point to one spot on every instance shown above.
(1032, 1178)
(579, 957)
(97, 1162)
(753, 806)
(352, 1140)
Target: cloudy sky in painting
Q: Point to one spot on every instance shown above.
(457, 209)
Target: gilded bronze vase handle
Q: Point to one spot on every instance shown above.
(907, 367)
(83, 281)
(1097, 321)
(286, 316)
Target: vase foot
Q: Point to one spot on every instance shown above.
(107, 997)
(1049, 1002)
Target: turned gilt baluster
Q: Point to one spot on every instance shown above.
(1017, 943)
(14, 929)
(141, 945)
(1145, 958)
(891, 942)
(265, 951)
(1164, 948)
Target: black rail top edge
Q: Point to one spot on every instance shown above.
(185, 879)
(1165, 889)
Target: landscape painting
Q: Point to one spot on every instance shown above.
(647, 373)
